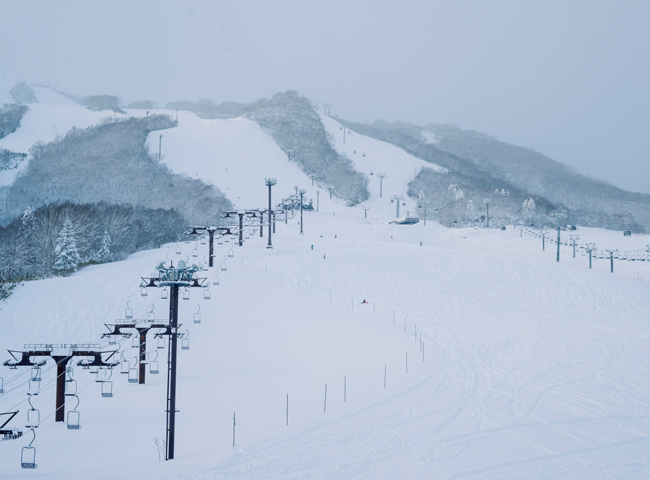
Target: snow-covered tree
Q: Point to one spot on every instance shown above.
(104, 250)
(65, 250)
(528, 209)
(470, 211)
(456, 192)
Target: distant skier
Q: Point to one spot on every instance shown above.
(312, 246)
(420, 243)
(323, 255)
(364, 301)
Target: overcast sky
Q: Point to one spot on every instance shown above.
(569, 78)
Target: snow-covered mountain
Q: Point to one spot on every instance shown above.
(474, 355)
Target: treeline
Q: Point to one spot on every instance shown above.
(40, 242)
(294, 125)
(10, 116)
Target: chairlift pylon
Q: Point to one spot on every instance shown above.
(28, 454)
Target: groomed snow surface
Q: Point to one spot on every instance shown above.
(531, 368)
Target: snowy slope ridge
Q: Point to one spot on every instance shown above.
(477, 355)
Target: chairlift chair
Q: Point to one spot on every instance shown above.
(164, 293)
(143, 291)
(135, 342)
(197, 315)
(112, 339)
(231, 253)
(133, 375)
(33, 416)
(107, 389)
(204, 239)
(215, 279)
(153, 367)
(129, 311)
(34, 387)
(186, 293)
(151, 314)
(124, 366)
(178, 249)
(185, 341)
(206, 294)
(220, 241)
(161, 343)
(74, 417)
(36, 373)
(71, 388)
(224, 265)
(28, 454)
(101, 375)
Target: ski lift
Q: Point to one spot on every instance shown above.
(186, 293)
(152, 315)
(36, 373)
(197, 315)
(224, 265)
(101, 375)
(220, 241)
(129, 311)
(34, 387)
(153, 364)
(33, 415)
(206, 292)
(133, 375)
(112, 339)
(124, 366)
(161, 342)
(231, 252)
(143, 291)
(135, 342)
(164, 293)
(28, 454)
(69, 373)
(107, 389)
(203, 239)
(73, 417)
(71, 388)
(215, 279)
(205, 264)
(185, 341)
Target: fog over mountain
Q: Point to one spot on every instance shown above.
(568, 79)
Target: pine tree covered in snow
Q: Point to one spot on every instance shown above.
(65, 251)
(104, 251)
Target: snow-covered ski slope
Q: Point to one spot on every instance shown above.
(500, 362)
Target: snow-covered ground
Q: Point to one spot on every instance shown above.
(500, 362)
